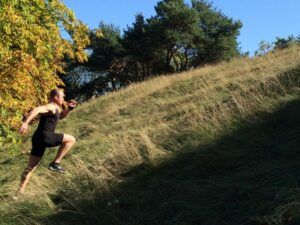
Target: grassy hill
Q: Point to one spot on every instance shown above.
(219, 145)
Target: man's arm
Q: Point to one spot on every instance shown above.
(33, 113)
(64, 113)
(71, 105)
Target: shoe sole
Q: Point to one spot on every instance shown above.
(58, 171)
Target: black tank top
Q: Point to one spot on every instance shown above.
(48, 122)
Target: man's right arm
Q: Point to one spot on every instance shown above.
(33, 113)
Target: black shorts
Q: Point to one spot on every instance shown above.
(42, 140)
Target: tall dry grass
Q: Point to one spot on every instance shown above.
(140, 126)
(144, 117)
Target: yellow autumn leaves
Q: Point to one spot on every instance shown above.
(32, 52)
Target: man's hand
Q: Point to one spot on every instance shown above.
(23, 128)
(72, 104)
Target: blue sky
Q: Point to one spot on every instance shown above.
(262, 19)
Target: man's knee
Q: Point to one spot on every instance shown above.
(69, 139)
(72, 140)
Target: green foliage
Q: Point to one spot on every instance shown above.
(8, 138)
(107, 48)
(175, 27)
(140, 51)
(220, 34)
(278, 44)
(103, 70)
(264, 48)
(179, 37)
(282, 43)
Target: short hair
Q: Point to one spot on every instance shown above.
(55, 92)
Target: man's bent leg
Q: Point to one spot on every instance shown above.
(67, 143)
(33, 162)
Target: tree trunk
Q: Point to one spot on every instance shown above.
(176, 63)
(168, 60)
(186, 59)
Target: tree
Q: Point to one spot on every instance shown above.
(139, 51)
(264, 48)
(173, 30)
(282, 43)
(178, 37)
(32, 52)
(218, 41)
(106, 52)
(103, 70)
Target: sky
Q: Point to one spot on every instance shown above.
(262, 19)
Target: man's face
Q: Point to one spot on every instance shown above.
(60, 98)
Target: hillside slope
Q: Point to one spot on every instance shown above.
(216, 145)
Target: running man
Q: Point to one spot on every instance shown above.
(44, 135)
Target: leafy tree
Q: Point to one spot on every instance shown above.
(139, 50)
(103, 70)
(106, 52)
(219, 34)
(282, 43)
(279, 43)
(83, 82)
(174, 28)
(264, 48)
(32, 52)
(178, 37)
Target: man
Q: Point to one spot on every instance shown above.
(44, 135)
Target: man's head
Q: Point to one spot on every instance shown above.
(57, 96)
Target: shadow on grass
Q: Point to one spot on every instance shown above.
(250, 176)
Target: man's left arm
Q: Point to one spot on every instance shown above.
(71, 105)
(64, 113)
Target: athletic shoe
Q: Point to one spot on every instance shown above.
(56, 167)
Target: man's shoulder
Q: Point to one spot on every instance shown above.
(49, 107)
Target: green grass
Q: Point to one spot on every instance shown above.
(214, 146)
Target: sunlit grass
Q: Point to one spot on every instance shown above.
(143, 126)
